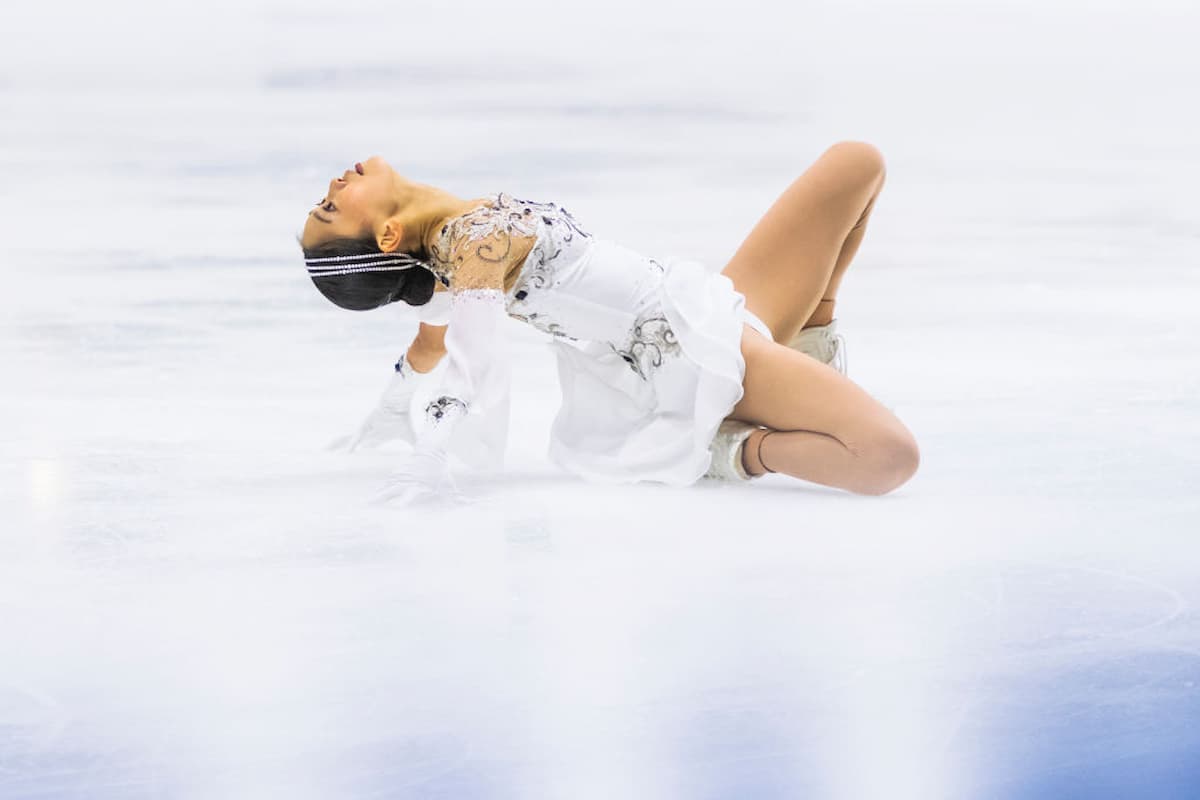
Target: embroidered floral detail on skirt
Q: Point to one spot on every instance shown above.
(651, 341)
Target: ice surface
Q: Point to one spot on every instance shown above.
(195, 600)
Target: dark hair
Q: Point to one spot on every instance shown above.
(362, 291)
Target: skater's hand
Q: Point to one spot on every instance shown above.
(424, 476)
(391, 419)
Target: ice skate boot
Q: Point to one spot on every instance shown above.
(823, 343)
(726, 450)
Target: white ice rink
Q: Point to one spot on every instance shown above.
(196, 601)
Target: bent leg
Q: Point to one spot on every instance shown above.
(796, 254)
(824, 428)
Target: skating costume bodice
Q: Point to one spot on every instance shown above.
(571, 285)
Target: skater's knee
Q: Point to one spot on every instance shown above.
(865, 158)
(886, 460)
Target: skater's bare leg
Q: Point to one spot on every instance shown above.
(823, 313)
(791, 264)
(823, 427)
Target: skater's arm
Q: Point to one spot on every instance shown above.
(427, 348)
(468, 413)
(476, 380)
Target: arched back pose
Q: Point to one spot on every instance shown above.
(669, 371)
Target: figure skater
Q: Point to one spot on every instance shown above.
(669, 371)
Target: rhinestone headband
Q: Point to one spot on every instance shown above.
(366, 262)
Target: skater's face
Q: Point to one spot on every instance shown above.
(355, 205)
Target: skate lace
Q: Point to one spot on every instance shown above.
(838, 360)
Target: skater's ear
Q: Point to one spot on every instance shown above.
(390, 235)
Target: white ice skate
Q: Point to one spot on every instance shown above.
(823, 343)
(726, 449)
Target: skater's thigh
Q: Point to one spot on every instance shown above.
(788, 391)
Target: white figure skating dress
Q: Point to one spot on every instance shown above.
(648, 350)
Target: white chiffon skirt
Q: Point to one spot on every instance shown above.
(616, 426)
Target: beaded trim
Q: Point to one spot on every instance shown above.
(330, 266)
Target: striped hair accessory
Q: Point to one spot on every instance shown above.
(330, 266)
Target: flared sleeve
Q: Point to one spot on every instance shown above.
(466, 415)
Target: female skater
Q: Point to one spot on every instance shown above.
(669, 371)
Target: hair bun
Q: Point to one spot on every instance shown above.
(415, 287)
(356, 275)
